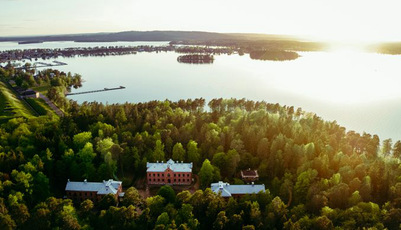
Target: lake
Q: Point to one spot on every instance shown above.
(360, 90)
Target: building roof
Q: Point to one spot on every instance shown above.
(249, 173)
(228, 190)
(29, 92)
(102, 188)
(174, 166)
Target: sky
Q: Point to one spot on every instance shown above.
(333, 20)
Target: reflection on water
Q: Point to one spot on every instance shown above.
(359, 90)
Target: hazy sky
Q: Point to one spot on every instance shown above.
(323, 19)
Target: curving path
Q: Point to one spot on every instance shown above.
(52, 105)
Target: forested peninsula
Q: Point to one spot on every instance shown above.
(274, 55)
(317, 174)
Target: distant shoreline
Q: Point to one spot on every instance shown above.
(29, 42)
(245, 40)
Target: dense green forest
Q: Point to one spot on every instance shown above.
(318, 174)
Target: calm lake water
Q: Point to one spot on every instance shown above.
(359, 90)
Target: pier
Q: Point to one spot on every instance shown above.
(55, 63)
(43, 64)
(95, 91)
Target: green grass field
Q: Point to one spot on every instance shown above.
(5, 109)
(40, 106)
(11, 105)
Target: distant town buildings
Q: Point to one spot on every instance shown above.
(249, 175)
(95, 191)
(173, 173)
(35, 54)
(227, 190)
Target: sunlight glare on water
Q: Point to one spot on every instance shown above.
(342, 76)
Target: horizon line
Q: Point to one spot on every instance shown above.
(294, 36)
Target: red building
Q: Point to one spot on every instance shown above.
(95, 191)
(249, 175)
(173, 173)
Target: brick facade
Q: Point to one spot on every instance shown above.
(169, 177)
(173, 173)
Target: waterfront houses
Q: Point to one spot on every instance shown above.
(173, 173)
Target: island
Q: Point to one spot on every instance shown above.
(196, 59)
(274, 55)
(29, 42)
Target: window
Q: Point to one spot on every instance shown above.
(175, 180)
(158, 179)
(163, 180)
(158, 174)
(179, 175)
(179, 180)
(168, 174)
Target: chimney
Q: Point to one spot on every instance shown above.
(221, 185)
